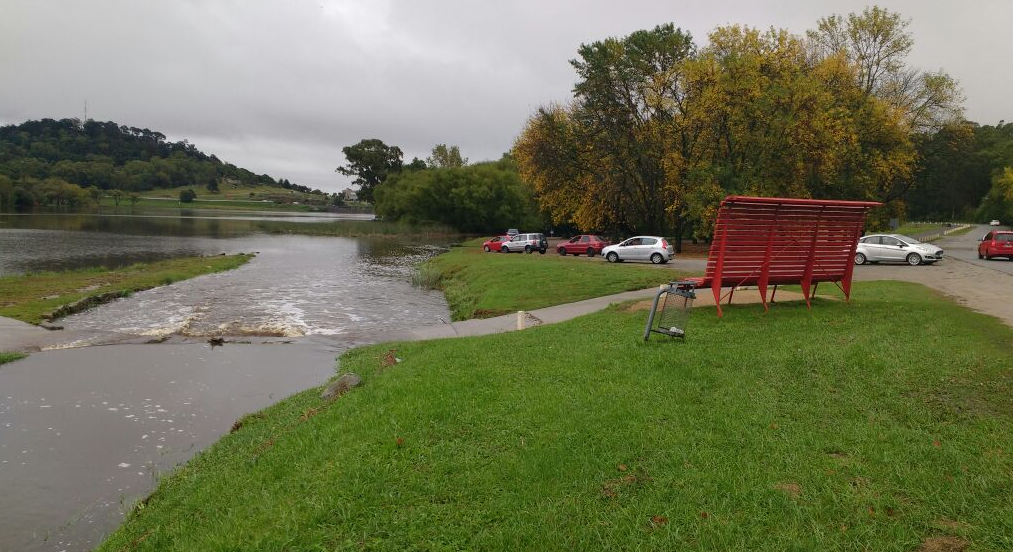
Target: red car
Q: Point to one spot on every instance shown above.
(494, 244)
(997, 243)
(586, 244)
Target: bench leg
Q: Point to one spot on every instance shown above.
(730, 293)
(773, 294)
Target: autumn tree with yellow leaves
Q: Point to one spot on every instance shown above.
(659, 131)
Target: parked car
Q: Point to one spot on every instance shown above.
(512, 232)
(528, 243)
(994, 222)
(997, 243)
(494, 244)
(640, 248)
(896, 248)
(586, 244)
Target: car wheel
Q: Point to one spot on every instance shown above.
(612, 257)
(914, 259)
(561, 251)
(527, 249)
(657, 258)
(860, 258)
(987, 256)
(979, 255)
(590, 252)
(504, 249)
(542, 251)
(486, 247)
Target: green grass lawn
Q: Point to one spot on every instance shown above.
(481, 285)
(10, 357)
(30, 297)
(873, 425)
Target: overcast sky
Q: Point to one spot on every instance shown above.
(279, 87)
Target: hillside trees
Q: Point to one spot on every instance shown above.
(110, 156)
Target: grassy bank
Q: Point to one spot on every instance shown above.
(10, 357)
(32, 297)
(885, 424)
(480, 285)
(217, 205)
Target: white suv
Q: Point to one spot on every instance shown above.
(528, 243)
(640, 248)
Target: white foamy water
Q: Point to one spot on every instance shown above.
(297, 285)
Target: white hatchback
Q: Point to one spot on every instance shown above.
(896, 248)
(640, 248)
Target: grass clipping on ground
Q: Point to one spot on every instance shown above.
(481, 285)
(883, 424)
(33, 297)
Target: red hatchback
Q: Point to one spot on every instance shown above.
(997, 243)
(586, 244)
(494, 244)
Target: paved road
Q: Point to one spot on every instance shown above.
(965, 248)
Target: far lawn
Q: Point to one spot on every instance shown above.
(885, 424)
(480, 285)
(31, 297)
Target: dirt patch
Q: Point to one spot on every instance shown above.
(793, 490)
(943, 544)
(488, 313)
(612, 487)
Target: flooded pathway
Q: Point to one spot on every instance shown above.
(84, 433)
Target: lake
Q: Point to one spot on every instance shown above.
(85, 432)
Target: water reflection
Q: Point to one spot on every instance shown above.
(38, 242)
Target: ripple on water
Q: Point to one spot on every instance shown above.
(297, 285)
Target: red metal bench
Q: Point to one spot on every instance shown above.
(764, 241)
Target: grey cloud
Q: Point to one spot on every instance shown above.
(279, 87)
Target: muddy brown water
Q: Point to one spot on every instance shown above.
(85, 432)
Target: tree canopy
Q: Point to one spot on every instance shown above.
(485, 197)
(370, 161)
(659, 130)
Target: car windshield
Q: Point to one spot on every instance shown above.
(907, 240)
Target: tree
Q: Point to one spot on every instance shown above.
(212, 186)
(877, 43)
(659, 132)
(416, 165)
(370, 162)
(134, 199)
(444, 157)
(600, 161)
(486, 197)
(187, 196)
(117, 195)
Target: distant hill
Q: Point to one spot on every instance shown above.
(109, 156)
